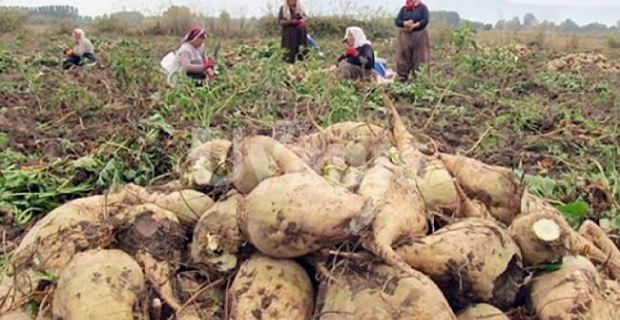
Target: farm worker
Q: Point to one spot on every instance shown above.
(358, 59)
(81, 52)
(190, 57)
(292, 17)
(413, 44)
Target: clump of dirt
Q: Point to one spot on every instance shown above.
(578, 61)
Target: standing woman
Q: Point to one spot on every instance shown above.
(292, 18)
(413, 43)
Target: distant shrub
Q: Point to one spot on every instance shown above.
(175, 21)
(114, 25)
(613, 42)
(331, 27)
(573, 43)
(12, 19)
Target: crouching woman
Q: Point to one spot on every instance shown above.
(190, 58)
(358, 60)
(82, 53)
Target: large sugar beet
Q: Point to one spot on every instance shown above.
(100, 284)
(258, 158)
(433, 180)
(399, 207)
(472, 261)
(15, 288)
(267, 288)
(482, 311)
(497, 187)
(73, 227)
(207, 165)
(380, 292)
(544, 235)
(356, 142)
(576, 291)
(217, 238)
(187, 204)
(295, 214)
(150, 228)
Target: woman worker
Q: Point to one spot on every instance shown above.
(413, 44)
(358, 60)
(292, 17)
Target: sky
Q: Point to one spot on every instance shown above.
(572, 3)
(553, 10)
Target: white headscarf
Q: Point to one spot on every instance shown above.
(299, 8)
(358, 35)
(79, 31)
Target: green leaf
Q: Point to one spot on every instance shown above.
(89, 163)
(4, 139)
(575, 212)
(615, 222)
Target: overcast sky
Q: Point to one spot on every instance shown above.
(467, 8)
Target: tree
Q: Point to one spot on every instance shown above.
(451, 17)
(594, 28)
(500, 24)
(529, 21)
(569, 26)
(514, 24)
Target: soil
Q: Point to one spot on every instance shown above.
(53, 131)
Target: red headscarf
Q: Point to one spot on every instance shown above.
(413, 5)
(194, 33)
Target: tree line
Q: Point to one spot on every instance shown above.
(52, 13)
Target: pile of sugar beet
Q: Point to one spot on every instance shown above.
(353, 221)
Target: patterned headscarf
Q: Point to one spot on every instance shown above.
(299, 8)
(414, 4)
(193, 33)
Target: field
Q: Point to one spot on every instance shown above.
(67, 135)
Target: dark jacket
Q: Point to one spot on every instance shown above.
(419, 14)
(365, 59)
(284, 23)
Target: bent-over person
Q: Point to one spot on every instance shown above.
(413, 43)
(191, 59)
(358, 60)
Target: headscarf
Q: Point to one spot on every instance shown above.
(286, 10)
(80, 32)
(358, 35)
(193, 33)
(413, 5)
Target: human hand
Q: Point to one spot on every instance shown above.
(209, 64)
(302, 23)
(351, 52)
(68, 52)
(294, 22)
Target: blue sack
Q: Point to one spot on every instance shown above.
(380, 67)
(311, 42)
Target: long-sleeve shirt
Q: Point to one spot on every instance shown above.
(83, 46)
(285, 23)
(419, 14)
(365, 58)
(190, 59)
